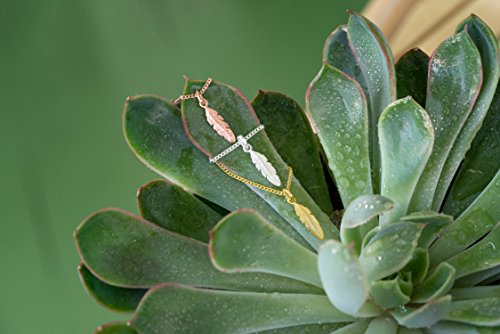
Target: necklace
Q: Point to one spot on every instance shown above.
(213, 117)
(258, 159)
(305, 215)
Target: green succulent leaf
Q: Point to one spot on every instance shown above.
(404, 330)
(479, 312)
(390, 249)
(363, 209)
(127, 251)
(405, 282)
(337, 52)
(305, 329)
(478, 278)
(388, 294)
(154, 131)
(227, 312)
(237, 112)
(479, 218)
(291, 134)
(492, 280)
(486, 43)
(449, 327)
(358, 326)
(171, 207)
(481, 256)
(418, 265)
(115, 328)
(439, 282)
(455, 77)
(476, 292)
(111, 297)
(369, 236)
(337, 107)
(411, 75)
(424, 316)
(382, 325)
(478, 169)
(343, 278)
(434, 224)
(406, 138)
(377, 65)
(244, 242)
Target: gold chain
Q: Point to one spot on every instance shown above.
(304, 214)
(194, 95)
(258, 185)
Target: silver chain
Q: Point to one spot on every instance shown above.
(237, 144)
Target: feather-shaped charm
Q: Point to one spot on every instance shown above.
(308, 219)
(220, 126)
(265, 168)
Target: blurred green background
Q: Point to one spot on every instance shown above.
(66, 68)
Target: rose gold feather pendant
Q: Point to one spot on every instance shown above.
(215, 120)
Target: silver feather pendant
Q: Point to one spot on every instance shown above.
(261, 162)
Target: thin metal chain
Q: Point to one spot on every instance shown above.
(193, 95)
(289, 181)
(258, 185)
(237, 144)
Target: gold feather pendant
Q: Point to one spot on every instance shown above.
(305, 215)
(309, 221)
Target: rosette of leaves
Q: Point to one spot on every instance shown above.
(399, 162)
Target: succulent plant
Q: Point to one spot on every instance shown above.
(398, 162)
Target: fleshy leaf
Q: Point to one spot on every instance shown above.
(375, 61)
(424, 316)
(478, 169)
(404, 330)
(390, 249)
(364, 208)
(406, 138)
(434, 224)
(226, 312)
(337, 107)
(343, 278)
(127, 251)
(291, 134)
(436, 285)
(478, 278)
(481, 256)
(111, 297)
(153, 129)
(338, 53)
(418, 265)
(359, 326)
(305, 329)
(479, 218)
(169, 206)
(449, 327)
(479, 312)
(385, 325)
(369, 236)
(476, 292)
(455, 77)
(244, 242)
(238, 112)
(411, 75)
(388, 294)
(115, 328)
(487, 45)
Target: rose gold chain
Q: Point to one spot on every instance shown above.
(195, 95)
